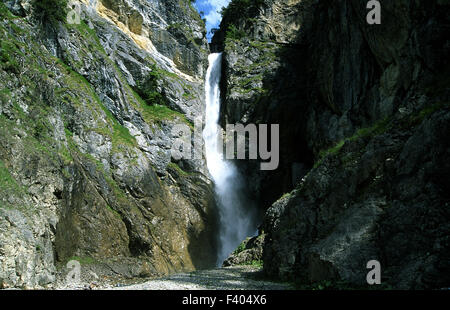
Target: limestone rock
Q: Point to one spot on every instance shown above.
(359, 108)
(85, 162)
(249, 251)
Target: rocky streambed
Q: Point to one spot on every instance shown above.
(228, 278)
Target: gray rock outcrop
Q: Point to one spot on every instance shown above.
(85, 161)
(363, 113)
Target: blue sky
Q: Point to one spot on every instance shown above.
(211, 8)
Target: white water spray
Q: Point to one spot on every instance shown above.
(236, 211)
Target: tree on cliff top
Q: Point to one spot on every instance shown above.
(237, 12)
(235, 9)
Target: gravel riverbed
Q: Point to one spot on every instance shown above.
(229, 278)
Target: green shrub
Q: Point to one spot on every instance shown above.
(148, 90)
(40, 129)
(240, 248)
(178, 169)
(7, 181)
(257, 263)
(378, 128)
(234, 33)
(52, 11)
(239, 12)
(8, 62)
(235, 9)
(157, 113)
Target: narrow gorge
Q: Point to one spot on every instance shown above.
(237, 212)
(92, 93)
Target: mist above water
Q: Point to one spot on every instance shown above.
(236, 211)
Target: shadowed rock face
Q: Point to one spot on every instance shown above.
(85, 164)
(364, 109)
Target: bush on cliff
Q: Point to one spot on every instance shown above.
(234, 33)
(233, 14)
(51, 11)
(148, 90)
(236, 7)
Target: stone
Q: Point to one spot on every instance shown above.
(358, 107)
(87, 175)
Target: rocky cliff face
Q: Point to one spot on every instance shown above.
(262, 76)
(86, 118)
(363, 113)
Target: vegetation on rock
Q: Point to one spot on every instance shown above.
(51, 11)
(83, 158)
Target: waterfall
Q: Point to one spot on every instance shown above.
(236, 211)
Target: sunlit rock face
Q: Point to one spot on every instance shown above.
(171, 28)
(85, 153)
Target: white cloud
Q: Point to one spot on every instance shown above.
(213, 17)
(218, 4)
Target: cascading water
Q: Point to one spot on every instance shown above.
(235, 210)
